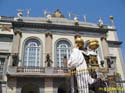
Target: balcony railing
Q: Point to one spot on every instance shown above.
(31, 69)
(60, 69)
(38, 71)
(41, 69)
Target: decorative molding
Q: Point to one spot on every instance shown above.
(6, 28)
(85, 33)
(48, 34)
(18, 32)
(104, 38)
(77, 35)
(58, 26)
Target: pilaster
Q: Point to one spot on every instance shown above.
(105, 49)
(15, 47)
(48, 85)
(48, 44)
(16, 41)
(11, 85)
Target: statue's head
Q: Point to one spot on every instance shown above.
(79, 42)
(93, 44)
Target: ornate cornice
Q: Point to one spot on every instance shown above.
(58, 26)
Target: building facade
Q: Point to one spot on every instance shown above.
(34, 52)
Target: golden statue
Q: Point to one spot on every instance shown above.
(78, 64)
(79, 43)
(93, 44)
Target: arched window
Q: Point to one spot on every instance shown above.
(32, 53)
(63, 50)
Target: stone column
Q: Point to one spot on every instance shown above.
(11, 85)
(48, 85)
(48, 44)
(105, 49)
(15, 47)
(16, 42)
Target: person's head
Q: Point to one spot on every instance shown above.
(79, 42)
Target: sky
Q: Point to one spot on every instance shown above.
(93, 9)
